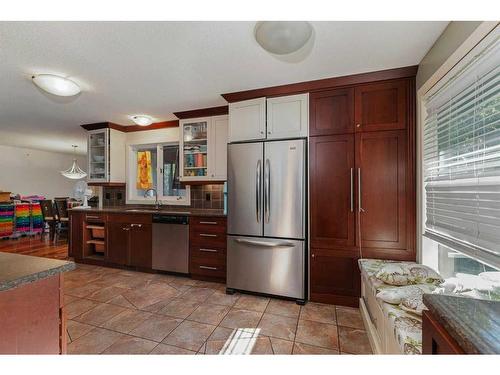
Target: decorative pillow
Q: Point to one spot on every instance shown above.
(404, 273)
(413, 304)
(395, 296)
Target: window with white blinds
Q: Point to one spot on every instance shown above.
(461, 150)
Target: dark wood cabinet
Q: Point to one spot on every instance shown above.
(331, 112)
(140, 245)
(75, 245)
(117, 246)
(129, 240)
(207, 241)
(332, 185)
(382, 163)
(381, 106)
(335, 277)
(435, 339)
(362, 199)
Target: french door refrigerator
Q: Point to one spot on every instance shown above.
(266, 218)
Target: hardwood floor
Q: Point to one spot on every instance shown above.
(33, 246)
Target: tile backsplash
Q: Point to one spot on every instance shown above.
(207, 196)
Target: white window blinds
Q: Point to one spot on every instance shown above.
(461, 149)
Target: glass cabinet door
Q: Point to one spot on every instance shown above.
(97, 154)
(194, 136)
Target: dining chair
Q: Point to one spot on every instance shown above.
(49, 218)
(61, 205)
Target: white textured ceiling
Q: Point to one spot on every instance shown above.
(158, 68)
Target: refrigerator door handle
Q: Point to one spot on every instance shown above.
(267, 190)
(264, 243)
(257, 190)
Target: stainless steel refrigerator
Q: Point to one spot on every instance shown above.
(266, 218)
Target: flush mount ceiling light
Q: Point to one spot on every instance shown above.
(74, 172)
(56, 85)
(282, 37)
(142, 120)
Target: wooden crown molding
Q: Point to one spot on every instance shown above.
(131, 128)
(322, 84)
(203, 112)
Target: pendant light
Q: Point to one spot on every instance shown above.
(74, 172)
(283, 37)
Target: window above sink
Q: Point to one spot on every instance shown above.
(155, 166)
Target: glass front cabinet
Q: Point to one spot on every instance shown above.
(203, 143)
(106, 154)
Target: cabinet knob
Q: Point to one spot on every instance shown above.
(312, 255)
(358, 125)
(261, 132)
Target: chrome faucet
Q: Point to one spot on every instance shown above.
(157, 202)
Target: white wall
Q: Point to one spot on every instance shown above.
(153, 136)
(27, 171)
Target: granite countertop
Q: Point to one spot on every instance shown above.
(17, 269)
(130, 209)
(473, 323)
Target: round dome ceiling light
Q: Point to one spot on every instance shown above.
(142, 120)
(56, 85)
(282, 37)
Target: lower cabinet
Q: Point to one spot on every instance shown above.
(207, 241)
(435, 339)
(129, 241)
(335, 277)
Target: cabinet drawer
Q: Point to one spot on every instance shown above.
(130, 218)
(95, 218)
(208, 224)
(207, 267)
(207, 239)
(209, 252)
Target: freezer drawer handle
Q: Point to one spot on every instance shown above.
(208, 222)
(207, 235)
(208, 268)
(209, 250)
(264, 244)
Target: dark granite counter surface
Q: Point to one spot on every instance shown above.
(473, 323)
(130, 209)
(17, 269)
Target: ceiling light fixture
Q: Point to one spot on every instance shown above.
(282, 37)
(142, 120)
(56, 85)
(74, 172)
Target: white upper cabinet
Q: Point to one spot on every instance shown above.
(217, 155)
(106, 156)
(288, 116)
(203, 149)
(247, 120)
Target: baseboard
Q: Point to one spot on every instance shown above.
(370, 328)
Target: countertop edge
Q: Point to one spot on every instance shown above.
(145, 211)
(41, 275)
(468, 340)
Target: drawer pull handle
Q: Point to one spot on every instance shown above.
(208, 222)
(208, 268)
(209, 250)
(207, 235)
(93, 217)
(136, 225)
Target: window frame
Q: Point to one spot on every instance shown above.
(131, 176)
(464, 54)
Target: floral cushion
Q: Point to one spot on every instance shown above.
(406, 273)
(413, 304)
(407, 329)
(395, 295)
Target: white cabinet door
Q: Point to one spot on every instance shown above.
(217, 148)
(288, 116)
(247, 120)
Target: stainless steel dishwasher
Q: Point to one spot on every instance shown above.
(171, 243)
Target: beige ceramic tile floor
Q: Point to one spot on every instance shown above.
(112, 311)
